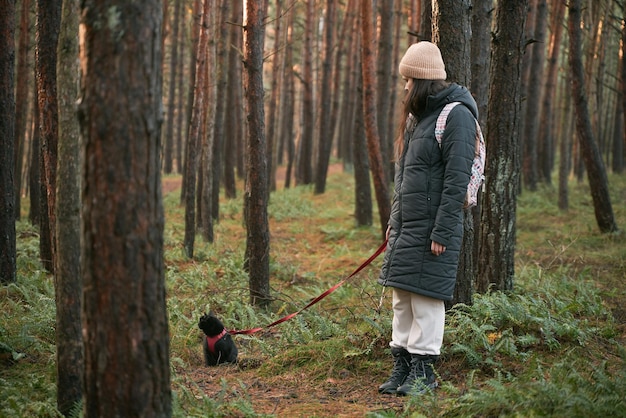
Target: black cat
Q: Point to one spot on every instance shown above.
(218, 345)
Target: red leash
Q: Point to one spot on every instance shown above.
(378, 252)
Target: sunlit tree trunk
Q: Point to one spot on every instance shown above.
(499, 202)
(256, 193)
(127, 370)
(7, 132)
(369, 115)
(596, 173)
(68, 285)
(48, 26)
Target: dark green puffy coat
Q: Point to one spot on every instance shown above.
(429, 191)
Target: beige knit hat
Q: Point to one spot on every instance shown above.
(423, 60)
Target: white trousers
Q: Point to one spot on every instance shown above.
(418, 323)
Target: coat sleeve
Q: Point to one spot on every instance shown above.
(457, 150)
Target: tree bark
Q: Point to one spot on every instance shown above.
(198, 116)
(68, 286)
(383, 81)
(499, 202)
(452, 32)
(127, 370)
(369, 115)
(362, 187)
(596, 173)
(7, 131)
(546, 137)
(256, 194)
(196, 28)
(48, 26)
(325, 132)
(288, 102)
(481, 61)
(171, 96)
(275, 91)
(221, 81)
(533, 97)
(21, 102)
(233, 118)
(305, 169)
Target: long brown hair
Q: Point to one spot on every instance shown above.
(414, 105)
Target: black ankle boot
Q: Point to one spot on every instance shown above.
(421, 377)
(401, 368)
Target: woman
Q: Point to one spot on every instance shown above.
(426, 222)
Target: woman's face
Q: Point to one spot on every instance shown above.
(409, 84)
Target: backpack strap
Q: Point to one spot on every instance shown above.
(478, 164)
(440, 125)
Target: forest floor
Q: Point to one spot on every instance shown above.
(342, 393)
(293, 395)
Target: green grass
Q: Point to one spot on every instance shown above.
(552, 347)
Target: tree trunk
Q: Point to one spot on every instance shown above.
(499, 202)
(546, 125)
(305, 169)
(362, 186)
(481, 61)
(596, 173)
(21, 102)
(48, 26)
(369, 115)
(272, 108)
(221, 81)
(180, 101)
(325, 131)
(452, 32)
(533, 97)
(620, 159)
(196, 29)
(233, 118)
(68, 286)
(34, 178)
(383, 81)
(168, 156)
(7, 132)
(198, 116)
(349, 85)
(205, 191)
(256, 194)
(127, 370)
(288, 102)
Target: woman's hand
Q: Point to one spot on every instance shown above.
(436, 248)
